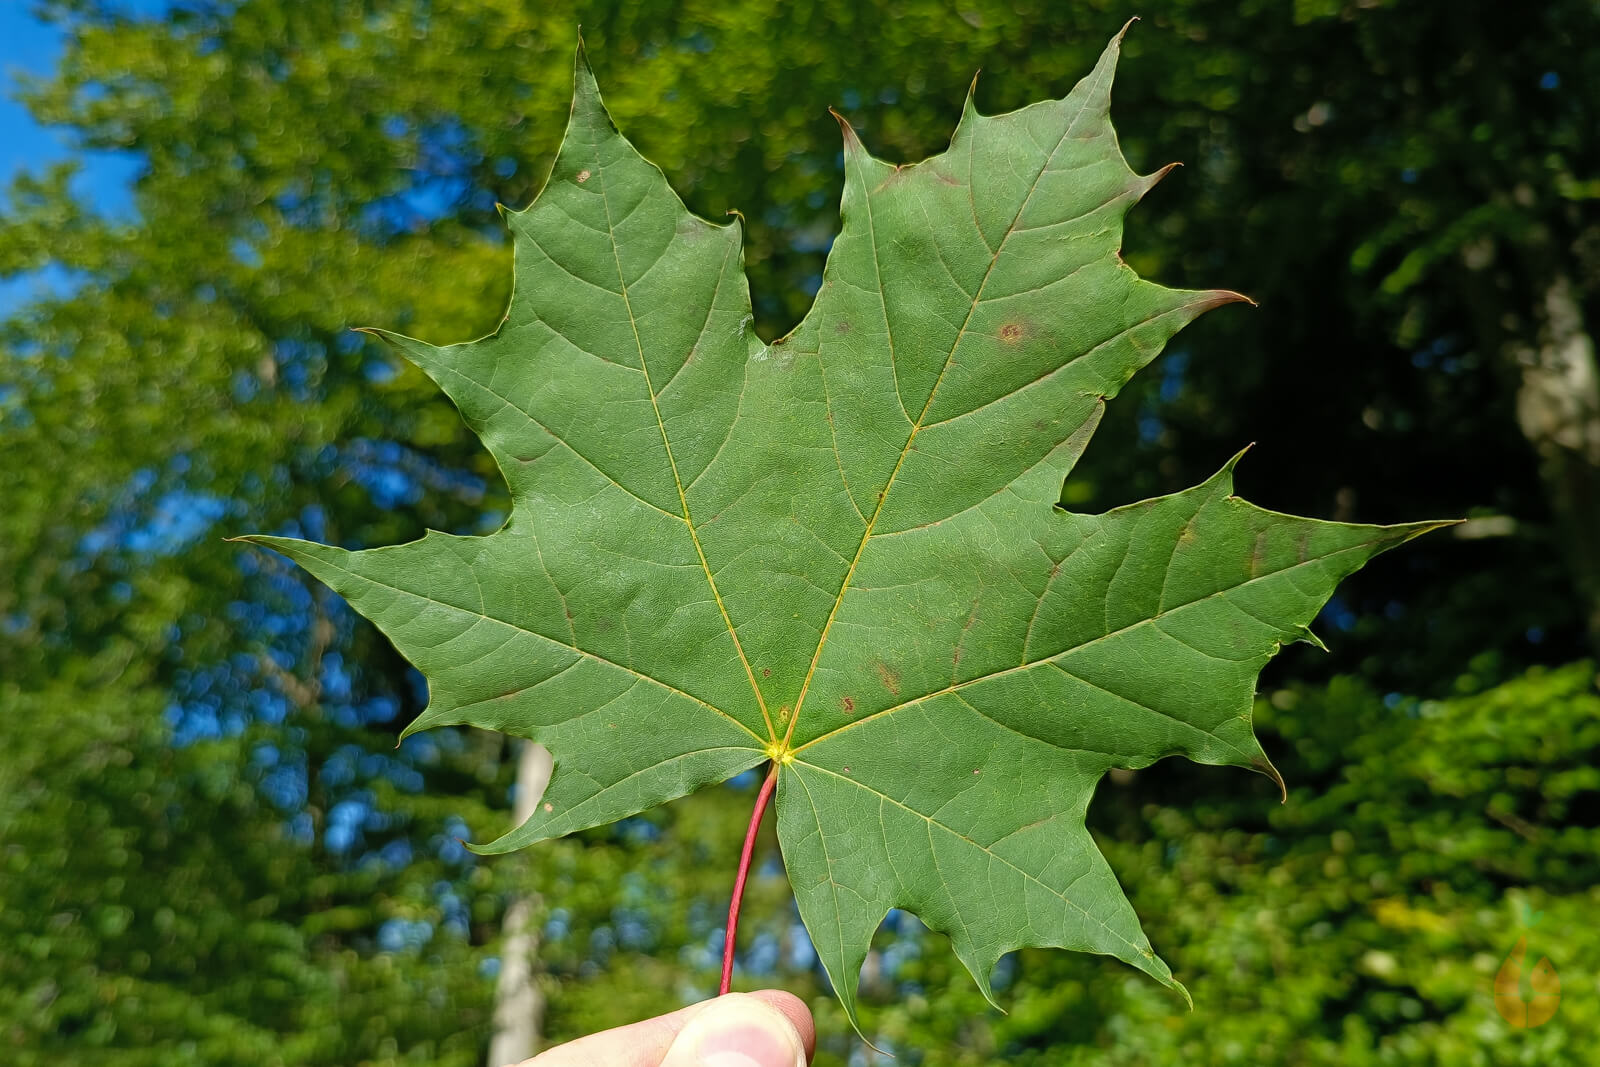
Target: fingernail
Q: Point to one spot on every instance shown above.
(737, 1030)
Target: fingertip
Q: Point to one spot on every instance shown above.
(798, 1014)
(742, 1029)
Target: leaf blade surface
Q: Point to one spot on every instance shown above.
(842, 551)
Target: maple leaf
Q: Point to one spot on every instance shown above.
(842, 552)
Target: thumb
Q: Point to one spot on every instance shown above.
(737, 1030)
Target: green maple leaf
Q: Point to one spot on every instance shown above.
(842, 552)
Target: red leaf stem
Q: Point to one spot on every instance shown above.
(744, 872)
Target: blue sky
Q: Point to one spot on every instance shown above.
(30, 46)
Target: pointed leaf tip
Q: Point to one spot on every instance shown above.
(1228, 467)
(1099, 80)
(1417, 529)
(1150, 181)
(1184, 991)
(1215, 298)
(1309, 636)
(586, 102)
(852, 141)
(1264, 765)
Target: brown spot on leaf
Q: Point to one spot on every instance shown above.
(849, 705)
(847, 770)
(1300, 548)
(1011, 333)
(766, 672)
(890, 676)
(975, 770)
(842, 327)
(583, 176)
(549, 806)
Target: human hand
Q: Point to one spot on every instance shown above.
(765, 1029)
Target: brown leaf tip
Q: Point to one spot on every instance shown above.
(1265, 766)
(1215, 298)
(1150, 181)
(851, 141)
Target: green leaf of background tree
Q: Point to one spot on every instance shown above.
(842, 552)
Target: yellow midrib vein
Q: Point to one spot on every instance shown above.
(905, 450)
(666, 444)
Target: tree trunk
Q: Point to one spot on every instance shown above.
(519, 1005)
(1558, 407)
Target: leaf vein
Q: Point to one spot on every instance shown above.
(1028, 875)
(1287, 572)
(666, 444)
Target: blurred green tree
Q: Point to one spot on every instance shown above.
(1409, 191)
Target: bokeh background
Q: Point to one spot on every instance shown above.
(211, 849)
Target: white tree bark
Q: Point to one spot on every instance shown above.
(519, 1005)
(1558, 406)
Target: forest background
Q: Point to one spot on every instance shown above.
(211, 849)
